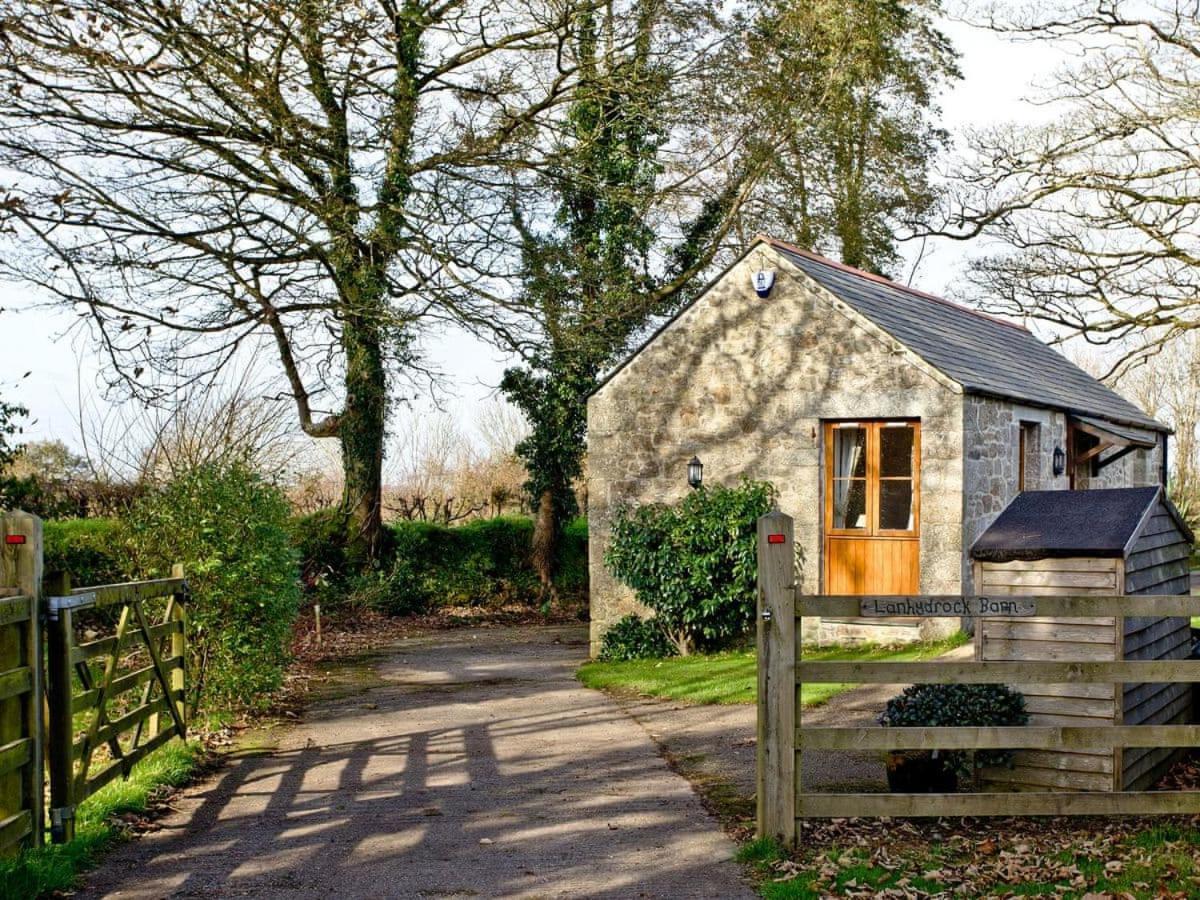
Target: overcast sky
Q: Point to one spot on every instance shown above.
(997, 76)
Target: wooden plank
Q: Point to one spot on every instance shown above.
(84, 652)
(1032, 776)
(778, 763)
(1137, 582)
(956, 607)
(30, 579)
(60, 636)
(14, 610)
(1017, 578)
(109, 594)
(87, 699)
(1014, 737)
(15, 682)
(1144, 560)
(1165, 706)
(121, 767)
(1080, 606)
(1032, 672)
(996, 650)
(1038, 803)
(83, 751)
(15, 828)
(1090, 709)
(1175, 645)
(179, 642)
(1135, 696)
(1154, 541)
(119, 726)
(14, 755)
(164, 677)
(1072, 691)
(1064, 718)
(1059, 631)
(1101, 763)
(1064, 564)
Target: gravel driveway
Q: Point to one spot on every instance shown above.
(475, 766)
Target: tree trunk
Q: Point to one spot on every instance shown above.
(545, 540)
(362, 431)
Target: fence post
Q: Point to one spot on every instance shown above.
(179, 648)
(61, 731)
(22, 569)
(777, 767)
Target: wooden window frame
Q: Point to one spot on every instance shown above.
(873, 479)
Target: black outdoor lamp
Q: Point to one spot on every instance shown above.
(1060, 461)
(695, 472)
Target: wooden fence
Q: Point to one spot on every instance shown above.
(782, 802)
(21, 808)
(113, 698)
(113, 689)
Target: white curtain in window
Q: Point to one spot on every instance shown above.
(849, 449)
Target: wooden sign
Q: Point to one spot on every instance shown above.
(925, 607)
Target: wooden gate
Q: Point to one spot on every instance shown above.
(783, 739)
(114, 698)
(20, 683)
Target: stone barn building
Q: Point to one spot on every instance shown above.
(895, 425)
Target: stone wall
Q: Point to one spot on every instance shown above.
(991, 437)
(744, 383)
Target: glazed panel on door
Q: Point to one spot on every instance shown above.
(872, 507)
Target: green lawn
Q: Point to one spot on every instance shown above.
(732, 677)
(54, 868)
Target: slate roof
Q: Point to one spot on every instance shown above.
(1044, 524)
(983, 354)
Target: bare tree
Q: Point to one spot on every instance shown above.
(440, 472)
(1093, 219)
(223, 421)
(314, 176)
(1167, 386)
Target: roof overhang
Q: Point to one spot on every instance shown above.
(1117, 438)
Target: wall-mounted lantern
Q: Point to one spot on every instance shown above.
(1060, 461)
(695, 472)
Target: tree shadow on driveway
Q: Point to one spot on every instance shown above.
(479, 768)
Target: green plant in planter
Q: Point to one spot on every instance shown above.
(945, 705)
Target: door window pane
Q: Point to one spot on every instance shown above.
(896, 505)
(896, 451)
(850, 503)
(850, 452)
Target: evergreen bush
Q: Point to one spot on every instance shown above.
(694, 563)
(229, 528)
(633, 637)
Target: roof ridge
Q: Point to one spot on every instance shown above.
(861, 273)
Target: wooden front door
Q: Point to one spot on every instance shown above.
(872, 507)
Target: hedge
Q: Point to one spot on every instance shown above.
(484, 562)
(91, 551)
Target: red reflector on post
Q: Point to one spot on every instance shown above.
(774, 538)
(14, 539)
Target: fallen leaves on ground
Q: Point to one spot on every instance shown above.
(1065, 857)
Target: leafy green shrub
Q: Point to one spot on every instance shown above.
(483, 562)
(633, 637)
(572, 576)
(229, 529)
(320, 540)
(91, 551)
(694, 563)
(933, 705)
